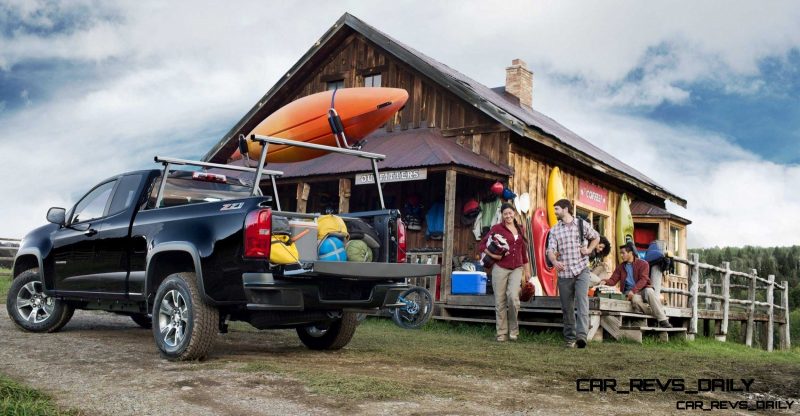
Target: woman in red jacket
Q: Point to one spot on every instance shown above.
(507, 273)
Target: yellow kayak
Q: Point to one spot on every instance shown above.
(624, 221)
(555, 192)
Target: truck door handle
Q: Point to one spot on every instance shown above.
(90, 232)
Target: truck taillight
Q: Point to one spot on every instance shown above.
(401, 241)
(257, 234)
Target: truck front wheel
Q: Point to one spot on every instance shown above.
(184, 325)
(330, 335)
(31, 309)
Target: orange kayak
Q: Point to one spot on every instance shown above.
(362, 111)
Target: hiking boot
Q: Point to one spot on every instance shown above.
(581, 343)
(569, 344)
(513, 337)
(501, 338)
(664, 324)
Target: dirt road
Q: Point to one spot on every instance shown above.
(104, 364)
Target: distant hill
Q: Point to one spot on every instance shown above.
(783, 262)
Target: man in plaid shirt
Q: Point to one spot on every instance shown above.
(566, 250)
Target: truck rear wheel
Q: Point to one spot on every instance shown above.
(184, 325)
(331, 335)
(32, 310)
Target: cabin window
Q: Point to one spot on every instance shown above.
(598, 221)
(336, 84)
(373, 80)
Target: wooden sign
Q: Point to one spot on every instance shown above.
(592, 195)
(393, 176)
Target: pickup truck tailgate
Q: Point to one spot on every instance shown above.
(378, 271)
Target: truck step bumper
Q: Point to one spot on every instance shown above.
(263, 292)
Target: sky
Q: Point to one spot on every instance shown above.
(703, 97)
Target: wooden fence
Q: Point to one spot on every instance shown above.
(727, 290)
(8, 249)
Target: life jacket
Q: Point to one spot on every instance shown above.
(435, 222)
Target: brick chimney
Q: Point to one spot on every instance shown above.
(519, 82)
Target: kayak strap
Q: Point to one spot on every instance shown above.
(335, 122)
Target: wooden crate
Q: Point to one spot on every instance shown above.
(428, 257)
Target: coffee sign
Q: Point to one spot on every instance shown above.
(592, 195)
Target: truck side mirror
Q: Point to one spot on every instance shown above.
(57, 215)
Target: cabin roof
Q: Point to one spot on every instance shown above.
(644, 209)
(498, 105)
(403, 149)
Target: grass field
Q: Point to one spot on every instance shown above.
(18, 400)
(5, 282)
(449, 360)
(470, 352)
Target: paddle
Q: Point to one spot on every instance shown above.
(523, 205)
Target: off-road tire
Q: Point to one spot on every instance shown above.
(337, 333)
(59, 315)
(199, 321)
(143, 320)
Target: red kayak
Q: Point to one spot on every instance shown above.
(362, 111)
(547, 275)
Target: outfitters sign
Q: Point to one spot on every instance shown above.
(393, 176)
(592, 195)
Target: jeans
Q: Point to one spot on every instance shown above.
(570, 290)
(653, 306)
(506, 285)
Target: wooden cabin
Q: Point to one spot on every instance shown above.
(452, 140)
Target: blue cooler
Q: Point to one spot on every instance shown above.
(468, 283)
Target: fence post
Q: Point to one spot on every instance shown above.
(694, 283)
(770, 311)
(751, 296)
(786, 340)
(722, 331)
(707, 304)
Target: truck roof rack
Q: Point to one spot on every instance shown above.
(167, 161)
(267, 140)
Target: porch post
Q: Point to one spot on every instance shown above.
(449, 232)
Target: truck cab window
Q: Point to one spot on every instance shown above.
(93, 205)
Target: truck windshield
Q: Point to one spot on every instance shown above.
(186, 187)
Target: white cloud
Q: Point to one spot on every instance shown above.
(175, 76)
(734, 196)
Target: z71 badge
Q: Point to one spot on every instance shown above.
(228, 207)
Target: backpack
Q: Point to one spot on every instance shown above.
(547, 261)
(283, 250)
(360, 230)
(358, 251)
(331, 225)
(280, 226)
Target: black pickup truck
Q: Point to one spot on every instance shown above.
(188, 254)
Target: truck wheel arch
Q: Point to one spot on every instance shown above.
(168, 258)
(27, 259)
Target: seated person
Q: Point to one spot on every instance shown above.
(598, 268)
(635, 275)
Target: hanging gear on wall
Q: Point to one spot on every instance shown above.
(412, 213)
(470, 212)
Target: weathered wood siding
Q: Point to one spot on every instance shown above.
(531, 173)
(429, 105)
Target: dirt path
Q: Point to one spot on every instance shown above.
(104, 364)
